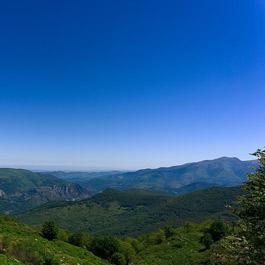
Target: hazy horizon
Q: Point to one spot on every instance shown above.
(68, 168)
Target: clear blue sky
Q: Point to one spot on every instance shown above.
(130, 84)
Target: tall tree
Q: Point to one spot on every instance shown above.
(247, 245)
(252, 211)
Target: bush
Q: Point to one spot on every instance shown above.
(50, 261)
(127, 250)
(77, 239)
(218, 230)
(49, 230)
(156, 238)
(104, 246)
(118, 259)
(63, 235)
(137, 246)
(169, 231)
(207, 240)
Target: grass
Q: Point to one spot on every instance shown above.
(24, 243)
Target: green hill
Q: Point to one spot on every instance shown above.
(21, 244)
(181, 247)
(133, 212)
(21, 190)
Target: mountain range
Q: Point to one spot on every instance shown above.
(224, 171)
(21, 190)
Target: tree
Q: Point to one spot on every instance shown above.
(247, 245)
(118, 259)
(49, 230)
(217, 230)
(77, 239)
(169, 231)
(252, 211)
(207, 240)
(104, 246)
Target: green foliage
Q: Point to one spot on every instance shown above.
(104, 246)
(49, 260)
(4, 260)
(217, 230)
(246, 246)
(136, 245)
(207, 240)
(127, 250)
(156, 238)
(77, 239)
(134, 212)
(63, 235)
(49, 230)
(168, 231)
(183, 247)
(118, 259)
(21, 244)
(252, 205)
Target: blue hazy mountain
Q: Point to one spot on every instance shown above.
(224, 171)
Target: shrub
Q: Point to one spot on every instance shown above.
(127, 250)
(137, 246)
(49, 230)
(50, 261)
(104, 246)
(77, 239)
(207, 240)
(118, 259)
(218, 230)
(169, 231)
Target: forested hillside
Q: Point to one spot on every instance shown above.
(21, 190)
(134, 212)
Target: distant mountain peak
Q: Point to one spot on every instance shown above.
(228, 158)
(222, 171)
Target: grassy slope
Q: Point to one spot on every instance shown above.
(183, 248)
(133, 212)
(4, 260)
(23, 243)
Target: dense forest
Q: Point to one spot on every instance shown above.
(134, 212)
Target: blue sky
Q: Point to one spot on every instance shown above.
(130, 84)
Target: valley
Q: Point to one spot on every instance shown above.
(134, 212)
(140, 221)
